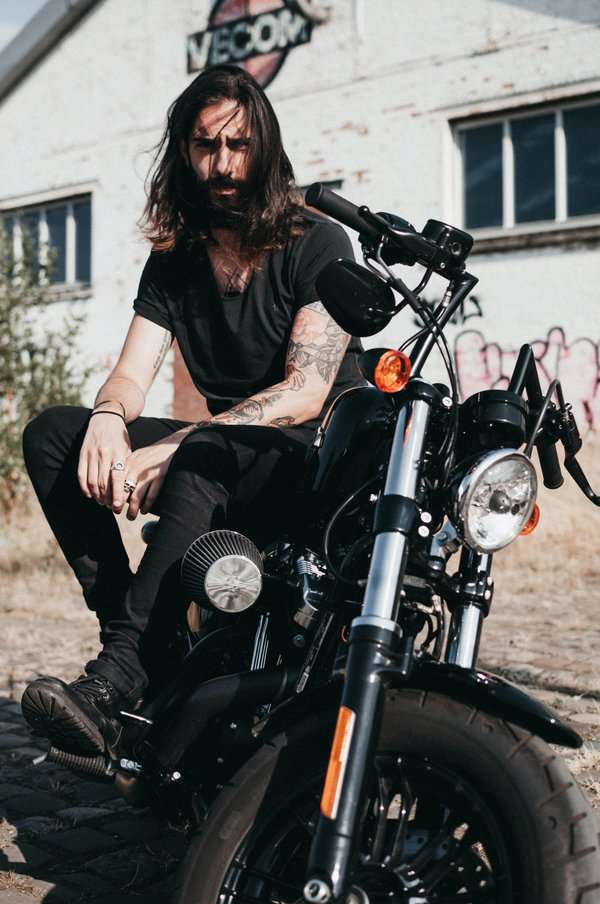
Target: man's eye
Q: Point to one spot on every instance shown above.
(206, 143)
(238, 144)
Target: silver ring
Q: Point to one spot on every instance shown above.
(129, 486)
(117, 466)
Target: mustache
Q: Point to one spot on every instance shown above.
(224, 182)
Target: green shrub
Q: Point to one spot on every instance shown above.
(38, 367)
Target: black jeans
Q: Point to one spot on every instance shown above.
(239, 476)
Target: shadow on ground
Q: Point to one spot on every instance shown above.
(66, 839)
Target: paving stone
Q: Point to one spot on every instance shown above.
(127, 866)
(9, 790)
(37, 825)
(76, 815)
(11, 725)
(37, 803)
(10, 740)
(12, 709)
(134, 828)
(173, 843)
(95, 792)
(21, 857)
(87, 882)
(80, 841)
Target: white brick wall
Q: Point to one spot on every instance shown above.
(367, 101)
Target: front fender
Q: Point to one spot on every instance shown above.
(489, 693)
(473, 687)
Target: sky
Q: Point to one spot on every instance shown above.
(13, 16)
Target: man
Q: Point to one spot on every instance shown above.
(231, 277)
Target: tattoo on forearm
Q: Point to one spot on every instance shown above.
(322, 349)
(253, 411)
(287, 421)
(164, 348)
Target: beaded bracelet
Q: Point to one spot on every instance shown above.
(102, 411)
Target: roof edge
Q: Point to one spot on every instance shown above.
(34, 41)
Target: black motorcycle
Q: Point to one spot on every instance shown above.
(328, 736)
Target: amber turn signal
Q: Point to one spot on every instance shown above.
(337, 762)
(534, 520)
(392, 371)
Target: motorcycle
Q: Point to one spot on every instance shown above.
(328, 736)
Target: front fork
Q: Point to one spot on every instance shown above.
(374, 639)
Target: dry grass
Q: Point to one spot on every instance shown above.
(564, 550)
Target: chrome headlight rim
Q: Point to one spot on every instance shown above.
(468, 485)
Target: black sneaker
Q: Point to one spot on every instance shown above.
(79, 717)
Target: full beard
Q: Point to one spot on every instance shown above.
(223, 211)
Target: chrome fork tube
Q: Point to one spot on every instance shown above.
(372, 648)
(467, 617)
(390, 549)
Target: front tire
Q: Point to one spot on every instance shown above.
(494, 816)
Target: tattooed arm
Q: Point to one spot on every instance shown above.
(315, 351)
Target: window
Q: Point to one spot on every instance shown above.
(531, 168)
(56, 237)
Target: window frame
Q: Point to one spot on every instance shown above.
(510, 227)
(70, 287)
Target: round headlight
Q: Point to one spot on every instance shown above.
(494, 499)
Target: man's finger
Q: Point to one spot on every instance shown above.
(117, 497)
(151, 494)
(134, 502)
(82, 475)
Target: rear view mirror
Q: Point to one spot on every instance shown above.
(358, 300)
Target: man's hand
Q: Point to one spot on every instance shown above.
(106, 442)
(147, 468)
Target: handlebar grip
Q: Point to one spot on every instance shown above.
(339, 208)
(551, 470)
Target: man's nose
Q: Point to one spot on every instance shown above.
(222, 161)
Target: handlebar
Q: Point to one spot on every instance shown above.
(441, 248)
(340, 209)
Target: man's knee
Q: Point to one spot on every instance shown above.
(202, 452)
(54, 422)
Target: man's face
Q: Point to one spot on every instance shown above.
(218, 150)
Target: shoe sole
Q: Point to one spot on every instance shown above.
(51, 712)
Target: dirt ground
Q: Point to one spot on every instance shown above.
(543, 631)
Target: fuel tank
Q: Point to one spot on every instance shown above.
(354, 439)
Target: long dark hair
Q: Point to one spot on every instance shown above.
(173, 214)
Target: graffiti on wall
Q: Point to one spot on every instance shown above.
(486, 365)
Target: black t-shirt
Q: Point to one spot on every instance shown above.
(235, 346)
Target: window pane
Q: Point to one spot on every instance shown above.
(30, 230)
(82, 211)
(56, 218)
(533, 149)
(483, 176)
(582, 132)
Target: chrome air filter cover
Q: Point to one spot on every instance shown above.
(224, 569)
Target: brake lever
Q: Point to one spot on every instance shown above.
(568, 432)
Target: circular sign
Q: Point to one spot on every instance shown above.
(254, 34)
